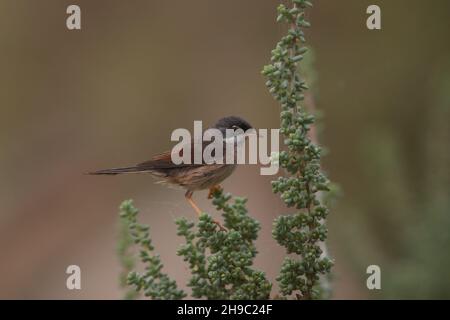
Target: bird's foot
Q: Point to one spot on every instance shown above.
(221, 227)
(188, 196)
(213, 190)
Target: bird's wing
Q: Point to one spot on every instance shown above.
(164, 160)
(159, 162)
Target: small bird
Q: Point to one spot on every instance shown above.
(192, 177)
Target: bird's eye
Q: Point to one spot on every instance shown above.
(235, 127)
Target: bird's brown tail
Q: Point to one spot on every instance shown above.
(115, 171)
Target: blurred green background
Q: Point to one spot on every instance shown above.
(111, 94)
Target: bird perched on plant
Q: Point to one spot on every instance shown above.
(190, 176)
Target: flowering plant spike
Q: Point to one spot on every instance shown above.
(302, 232)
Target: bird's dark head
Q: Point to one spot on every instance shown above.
(233, 122)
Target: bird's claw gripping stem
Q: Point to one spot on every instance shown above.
(188, 196)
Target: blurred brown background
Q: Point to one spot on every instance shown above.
(111, 94)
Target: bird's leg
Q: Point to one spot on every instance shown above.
(188, 196)
(213, 189)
